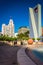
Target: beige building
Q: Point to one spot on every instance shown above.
(8, 29)
(42, 31)
(23, 30)
(0, 33)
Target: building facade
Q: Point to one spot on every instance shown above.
(0, 33)
(8, 30)
(42, 31)
(22, 30)
(35, 22)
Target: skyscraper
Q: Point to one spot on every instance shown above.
(8, 29)
(35, 22)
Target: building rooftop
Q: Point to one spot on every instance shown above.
(22, 27)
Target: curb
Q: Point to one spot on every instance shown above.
(23, 59)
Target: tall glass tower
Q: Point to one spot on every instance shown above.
(35, 22)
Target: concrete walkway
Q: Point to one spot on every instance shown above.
(23, 59)
(8, 55)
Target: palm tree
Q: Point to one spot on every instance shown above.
(20, 36)
(23, 36)
(26, 34)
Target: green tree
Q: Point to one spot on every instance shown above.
(26, 34)
(38, 39)
(20, 36)
(23, 36)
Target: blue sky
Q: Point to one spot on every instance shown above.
(18, 10)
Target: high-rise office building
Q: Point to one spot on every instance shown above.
(35, 22)
(8, 29)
